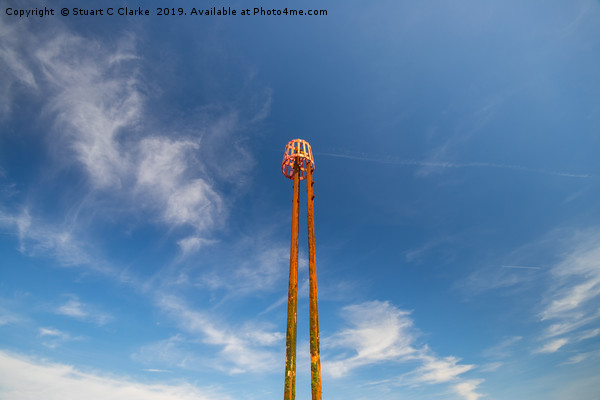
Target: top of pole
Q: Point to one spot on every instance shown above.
(297, 149)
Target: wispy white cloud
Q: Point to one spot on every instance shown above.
(504, 349)
(418, 253)
(570, 303)
(586, 9)
(192, 244)
(14, 63)
(50, 332)
(581, 357)
(61, 242)
(565, 325)
(68, 247)
(577, 279)
(241, 349)
(279, 302)
(53, 338)
(467, 389)
(73, 308)
(576, 359)
(552, 346)
(99, 109)
(589, 334)
(491, 367)
(76, 309)
(28, 379)
(97, 100)
(94, 97)
(264, 270)
(255, 265)
(569, 287)
(163, 174)
(439, 370)
(38, 239)
(9, 317)
(173, 352)
(381, 333)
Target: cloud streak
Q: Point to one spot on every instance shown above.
(468, 389)
(570, 303)
(53, 338)
(15, 64)
(242, 349)
(552, 346)
(520, 267)
(95, 97)
(452, 165)
(381, 333)
(75, 309)
(38, 239)
(27, 379)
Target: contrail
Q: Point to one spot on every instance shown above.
(418, 163)
(520, 267)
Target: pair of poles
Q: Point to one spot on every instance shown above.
(298, 164)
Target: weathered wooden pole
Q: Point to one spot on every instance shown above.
(290, 338)
(315, 357)
(298, 164)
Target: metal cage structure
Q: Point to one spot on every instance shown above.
(300, 150)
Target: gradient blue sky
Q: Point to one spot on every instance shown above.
(144, 219)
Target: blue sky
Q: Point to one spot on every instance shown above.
(145, 221)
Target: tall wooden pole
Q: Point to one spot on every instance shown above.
(290, 339)
(315, 358)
